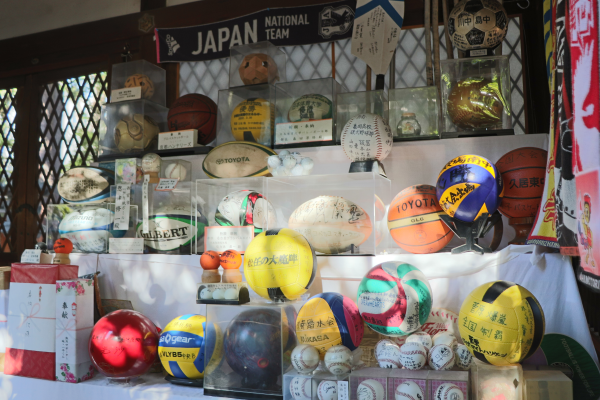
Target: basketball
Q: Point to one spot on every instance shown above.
(231, 259)
(280, 264)
(501, 323)
(414, 221)
(394, 299)
(469, 186)
(194, 111)
(523, 172)
(252, 120)
(181, 347)
(210, 260)
(144, 82)
(327, 320)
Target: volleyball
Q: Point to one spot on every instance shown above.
(394, 299)
(414, 221)
(244, 208)
(280, 264)
(329, 319)
(251, 120)
(469, 186)
(501, 323)
(310, 107)
(181, 347)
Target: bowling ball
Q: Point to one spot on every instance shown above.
(123, 344)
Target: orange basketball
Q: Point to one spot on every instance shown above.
(523, 173)
(63, 245)
(414, 221)
(231, 259)
(194, 111)
(210, 260)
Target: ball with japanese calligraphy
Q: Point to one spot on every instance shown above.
(305, 358)
(469, 186)
(413, 355)
(280, 264)
(181, 347)
(441, 357)
(394, 299)
(302, 388)
(367, 137)
(477, 24)
(245, 208)
(329, 319)
(252, 120)
(310, 107)
(501, 323)
(387, 354)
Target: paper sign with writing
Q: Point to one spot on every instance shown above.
(126, 94)
(221, 238)
(300, 132)
(122, 203)
(343, 390)
(166, 184)
(145, 224)
(31, 256)
(126, 245)
(177, 139)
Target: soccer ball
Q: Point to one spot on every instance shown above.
(477, 24)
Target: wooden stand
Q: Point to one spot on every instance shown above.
(211, 276)
(522, 227)
(61, 258)
(232, 276)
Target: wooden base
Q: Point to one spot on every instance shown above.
(232, 276)
(522, 227)
(211, 276)
(61, 258)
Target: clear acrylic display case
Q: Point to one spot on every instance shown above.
(128, 170)
(337, 232)
(247, 113)
(547, 385)
(258, 340)
(397, 377)
(229, 230)
(151, 78)
(130, 127)
(87, 226)
(256, 63)
(173, 168)
(306, 386)
(475, 95)
(488, 381)
(437, 378)
(414, 113)
(351, 104)
(357, 377)
(306, 113)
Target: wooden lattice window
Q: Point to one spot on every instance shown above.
(8, 115)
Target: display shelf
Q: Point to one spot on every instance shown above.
(190, 151)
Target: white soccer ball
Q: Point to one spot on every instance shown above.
(448, 391)
(421, 338)
(409, 390)
(218, 294)
(463, 356)
(370, 389)
(387, 354)
(327, 390)
(206, 294)
(305, 358)
(176, 170)
(367, 137)
(338, 360)
(151, 163)
(302, 388)
(413, 355)
(231, 294)
(441, 357)
(446, 338)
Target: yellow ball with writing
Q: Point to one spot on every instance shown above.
(253, 117)
(501, 323)
(280, 264)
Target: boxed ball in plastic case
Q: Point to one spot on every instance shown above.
(321, 385)
(130, 127)
(338, 214)
(355, 103)
(404, 382)
(451, 384)
(257, 341)
(547, 385)
(176, 169)
(128, 170)
(88, 226)
(135, 80)
(369, 384)
(256, 63)
(414, 113)
(306, 113)
(489, 381)
(223, 293)
(475, 94)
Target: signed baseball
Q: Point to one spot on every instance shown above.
(409, 390)
(446, 338)
(413, 355)
(370, 389)
(338, 360)
(305, 358)
(302, 388)
(421, 338)
(463, 356)
(151, 163)
(327, 390)
(176, 170)
(367, 137)
(441, 357)
(448, 391)
(387, 354)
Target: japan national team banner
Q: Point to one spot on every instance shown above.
(285, 26)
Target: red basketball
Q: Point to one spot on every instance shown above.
(414, 221)
(523, 173)
(194, 111)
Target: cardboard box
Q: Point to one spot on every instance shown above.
(547, 385)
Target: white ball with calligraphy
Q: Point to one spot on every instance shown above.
(446, 338)
(448, 391)
(338, 360)
(463, 356)
(367, 137)
(370, 389)
(441, 357)
(302, 388)
(305, 358)
(413, 355)
(327, 390)
(409, 390)
(422, 338)
(387, 354)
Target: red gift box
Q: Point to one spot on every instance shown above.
(29, 316)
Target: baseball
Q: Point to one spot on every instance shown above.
(448, 391)
(441, 357)
(413, 355)
(446, 338)
(151, 163)
(421, 338)
(338, 360)
(305, 358)
(463, 356)
(367, 137)
(387, 354)
(370, 389)
(409, 390)
(327, 390)
(175, 170)
(302, 388)
(206, 294)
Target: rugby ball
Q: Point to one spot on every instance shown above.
(237, 160)
(331, 224)
(310, 107)
(89, 230)
(172, 229)
(86, 185)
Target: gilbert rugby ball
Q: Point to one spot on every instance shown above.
(331, 224)
(237, 160)
(86, 185)
(89, 230)
(171, 229)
